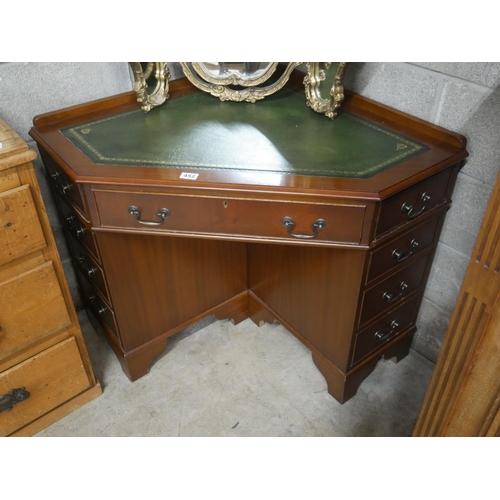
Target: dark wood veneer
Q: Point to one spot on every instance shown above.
(224, 250)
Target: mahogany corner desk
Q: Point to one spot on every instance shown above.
(267, 210)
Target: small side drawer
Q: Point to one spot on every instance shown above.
(62, 183)
(51, 378)
(393, 290)
(230, 217)
(88, 267)
(78, 228)
(20, 229)
(375, 336)
(32, 307)
(413, 202)
(411, 243)
(101, 310)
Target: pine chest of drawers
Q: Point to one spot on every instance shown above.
(267, 211)
(45, 372)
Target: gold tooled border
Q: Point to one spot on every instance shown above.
(78, 139)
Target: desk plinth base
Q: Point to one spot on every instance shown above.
(341, 386)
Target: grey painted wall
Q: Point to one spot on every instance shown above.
(460, 96)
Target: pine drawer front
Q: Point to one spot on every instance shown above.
(393, 290)
(20, 230)
(376, 335)
(31, 308)
(405, 247)
(9, 179)
(231, 217)
(51, 377)
(414, 202)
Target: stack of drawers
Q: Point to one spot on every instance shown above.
(45, 372)
(83, 249)
(405, 239)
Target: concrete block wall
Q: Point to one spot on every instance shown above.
(458, 96)
(30, 89)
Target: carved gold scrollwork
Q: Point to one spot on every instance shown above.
(313, 80)
(242, 82)
(225, 93)
(143, 73)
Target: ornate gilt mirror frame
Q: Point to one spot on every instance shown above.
(143, 76)
(323, 82)
(316, 79)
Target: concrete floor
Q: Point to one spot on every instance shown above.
(218, 379)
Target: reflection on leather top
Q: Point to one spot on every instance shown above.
(277, 135)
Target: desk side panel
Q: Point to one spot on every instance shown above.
(315, 290)
(157, 283)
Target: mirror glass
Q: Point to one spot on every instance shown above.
(243, 70)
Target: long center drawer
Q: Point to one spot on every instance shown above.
(231, 217)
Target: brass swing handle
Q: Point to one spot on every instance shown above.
(408, 208)
(392, 297)
(399, 256)
(86, 266)
(100, 308)
(290, 224)
(14, 396)
(162, 214)
(384, 334)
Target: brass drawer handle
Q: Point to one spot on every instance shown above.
(290, 224)
(162, 214)
(100, 308)
(409, 208)
(77, 229)
(14, 396)
(392, 297)
(86, 266)
(399, 256)
(384, 334)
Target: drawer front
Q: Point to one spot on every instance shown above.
(51, 378)
(375, 336)
(231, 217)
(393, 290)
(9, 179)
(88, 267)
(78, 228)
(411, 203)
(411, 243)
(64, 186)
(32, 307)
(101, 310)
(20, 229)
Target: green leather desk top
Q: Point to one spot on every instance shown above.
(279, 134)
